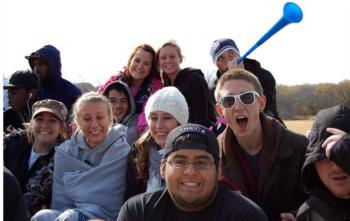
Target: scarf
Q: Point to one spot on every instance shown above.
(155, 181)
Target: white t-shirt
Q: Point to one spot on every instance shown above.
(34, 156)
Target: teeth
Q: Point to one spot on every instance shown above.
(95, 132)
(241, 117)
(191, 184)
(161, 134)
(44, 132)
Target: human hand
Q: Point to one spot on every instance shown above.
(233, 64)
(330, 141)
(287, 217)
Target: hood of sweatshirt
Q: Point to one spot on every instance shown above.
(132, 106)
(336, 117)
(53, 58)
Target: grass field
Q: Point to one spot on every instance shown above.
(299, 126)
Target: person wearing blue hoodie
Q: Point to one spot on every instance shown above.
(46, 64)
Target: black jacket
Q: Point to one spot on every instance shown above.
(15, 119)
(280, 163)
(322, 203)
(192, 84)
(36, 182)
(14, 208)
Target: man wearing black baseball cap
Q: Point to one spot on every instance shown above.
(190, 170)
(22, 90)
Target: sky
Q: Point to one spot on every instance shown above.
(96, 37)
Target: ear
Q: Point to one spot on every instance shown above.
(219, 109)
(162, 168)
(262, 103)
(33, 93)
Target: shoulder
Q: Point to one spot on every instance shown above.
(239, 206)
(67, 146)
(17, 137)
(192, 73)
(295, 140)
(137, 206)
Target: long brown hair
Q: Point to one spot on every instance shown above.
(141, 159)
(154, 71)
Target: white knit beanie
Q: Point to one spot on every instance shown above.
(168, 99)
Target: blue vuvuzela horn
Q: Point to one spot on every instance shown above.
(292, 13)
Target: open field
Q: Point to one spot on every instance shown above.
(299, 126)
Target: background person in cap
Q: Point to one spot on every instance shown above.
(46, 64)
(225, 53)
(190, 169)
(189, 81)
(124, 108)
(165, 110)
(326, 171)
(22, 92)
(29, 154)
(259, 155)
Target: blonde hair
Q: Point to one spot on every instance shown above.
(87, 98)
(237, 74)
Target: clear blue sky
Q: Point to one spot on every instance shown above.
(96, 37)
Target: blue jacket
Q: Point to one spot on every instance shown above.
(54, 86)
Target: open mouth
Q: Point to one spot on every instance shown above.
(242, 121)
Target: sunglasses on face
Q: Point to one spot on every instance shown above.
(246, 98)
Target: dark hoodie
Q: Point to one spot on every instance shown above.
(191, 83)
(131, 118)
(54, 86)
(322, 203)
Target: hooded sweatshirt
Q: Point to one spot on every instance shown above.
(191, 83)
(54, 86)
(91, 181)
(322, 202)
(131, 118)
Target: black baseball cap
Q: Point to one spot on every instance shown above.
(23, 79)
(192, 136)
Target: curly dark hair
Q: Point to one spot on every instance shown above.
(141, 158)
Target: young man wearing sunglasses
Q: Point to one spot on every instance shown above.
(258, 154)
(190, 170)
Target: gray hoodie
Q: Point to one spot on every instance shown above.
(131, 118)
(91, 180)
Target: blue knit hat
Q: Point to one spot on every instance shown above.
(220, 46)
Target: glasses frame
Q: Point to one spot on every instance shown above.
(238, 97)
(187, 164)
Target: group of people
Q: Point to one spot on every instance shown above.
(148, 145)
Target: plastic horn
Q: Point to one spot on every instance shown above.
(292, 13)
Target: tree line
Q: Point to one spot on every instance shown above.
(307, 99)
(296, 101)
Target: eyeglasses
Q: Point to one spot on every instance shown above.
(198, 165)
(246, 98)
